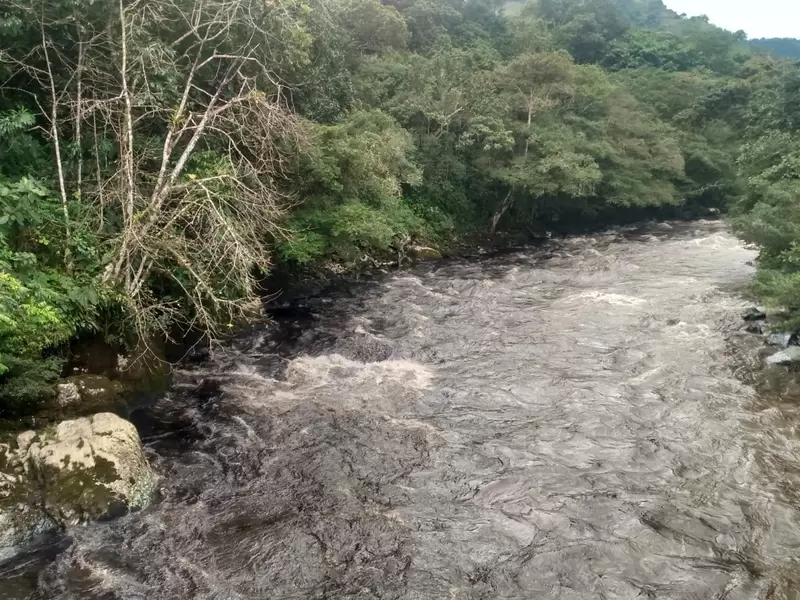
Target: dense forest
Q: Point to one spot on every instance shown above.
(158, 157)
(780, 47)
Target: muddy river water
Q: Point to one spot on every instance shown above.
(575, 421)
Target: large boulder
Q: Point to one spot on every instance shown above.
(91, 468)
(82, 469)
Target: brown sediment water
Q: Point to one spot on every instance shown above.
(564, 422)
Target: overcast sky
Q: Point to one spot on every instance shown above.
(759, 18)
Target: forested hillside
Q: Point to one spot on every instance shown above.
(780, 47)
(156, 158)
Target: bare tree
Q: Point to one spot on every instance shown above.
(184, 93)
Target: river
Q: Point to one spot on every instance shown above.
(574, 421)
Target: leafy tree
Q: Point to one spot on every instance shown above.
(586, 28)
(769, 216)
(431, 23)
(640, 48)
(720, 50)
(354, 177)
(528, 86)
(375, 27)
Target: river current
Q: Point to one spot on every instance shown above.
(577, 421)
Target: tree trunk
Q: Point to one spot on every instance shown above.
(507, 202)
(68, 264)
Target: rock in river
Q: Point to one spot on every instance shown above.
(755, 327)
(424, 253)
(754, 314)
(785, 358)
(82, 469)
(89, 394)
(781, 339)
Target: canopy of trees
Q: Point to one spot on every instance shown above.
(781, 47)
(157, 157)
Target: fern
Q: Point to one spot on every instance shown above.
(15, 121)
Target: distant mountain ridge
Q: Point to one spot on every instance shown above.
(782, 47)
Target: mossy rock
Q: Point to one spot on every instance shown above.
(79, 470)
(91, 467)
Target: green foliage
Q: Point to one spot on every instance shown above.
(347, 232)
(365, 157)
(717, 49)
(780, 47)
(768, 212)
(640, 48)
(422, 121)
(375, 27)
(27, 382)
(530, 133)
(19, 151)
(586, 28)
(41, 306)
(354, 177)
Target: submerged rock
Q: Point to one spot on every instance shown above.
(785, 358)
(754, 314)
(424, 253)
(82, 469)
(754, 327)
